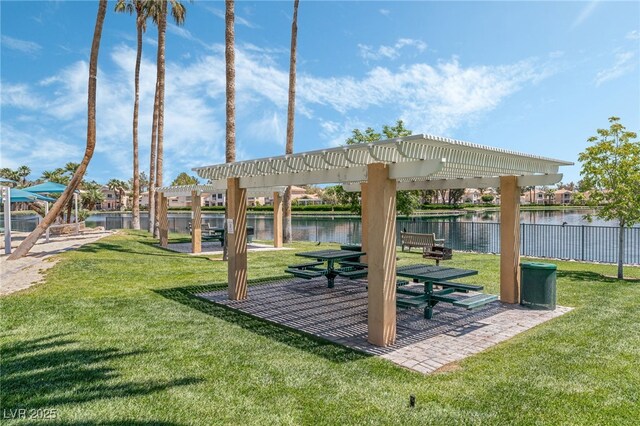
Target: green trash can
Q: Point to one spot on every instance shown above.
(538, 285)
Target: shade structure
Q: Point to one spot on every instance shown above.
(22, 196)
(47, 188)
(379, 169)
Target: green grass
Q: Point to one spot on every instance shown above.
(115, 336)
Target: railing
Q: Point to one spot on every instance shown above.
(574, 242)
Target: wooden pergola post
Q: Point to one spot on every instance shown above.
(509, 239)
(236, 236)
(381, 251)
(277, 220)
(196, 223)
(163, 220)
(364, 223)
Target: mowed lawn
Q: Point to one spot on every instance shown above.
(115, 336)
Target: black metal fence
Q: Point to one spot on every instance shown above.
(573, 242)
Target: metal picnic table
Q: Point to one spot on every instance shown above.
(312, 270)
(438, 275)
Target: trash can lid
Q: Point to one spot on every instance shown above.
(538, 265)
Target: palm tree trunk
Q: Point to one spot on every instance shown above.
(229, 55)
(135, 222)
(621, 250)
(286, 237)
(162, 29)
(67, 195)
(152, 164)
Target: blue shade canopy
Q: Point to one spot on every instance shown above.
(47, 188)
(21, 196)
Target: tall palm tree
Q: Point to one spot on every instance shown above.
(31, 239)
(290, 120)
(141, 9)
(158, 12)
(230, 57)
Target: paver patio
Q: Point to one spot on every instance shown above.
(339, 315)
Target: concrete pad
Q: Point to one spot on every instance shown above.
(339, 315)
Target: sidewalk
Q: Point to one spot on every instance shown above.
(19, 274)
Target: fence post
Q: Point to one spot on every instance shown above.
(522, 238)
(583, 245)
(473, 243)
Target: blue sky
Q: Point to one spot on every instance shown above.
(536, 77)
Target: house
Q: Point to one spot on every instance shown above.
(111, 200)
(563, 196)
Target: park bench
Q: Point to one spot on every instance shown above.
(424, 241)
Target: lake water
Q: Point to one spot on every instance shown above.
(556, 234)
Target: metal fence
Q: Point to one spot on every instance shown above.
(573, 242)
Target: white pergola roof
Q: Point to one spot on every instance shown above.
(220, 186)
(417, 162)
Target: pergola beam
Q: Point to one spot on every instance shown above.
(479, 182)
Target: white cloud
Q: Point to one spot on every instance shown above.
(36, 147)
(633, 35)
(384, 12)
(390, 52)
(23, 46)
(19, 96)
(624, 63)
(430, 98)
(585, 13)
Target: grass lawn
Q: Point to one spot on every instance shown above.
(115, 336)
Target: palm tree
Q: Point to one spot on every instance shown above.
(118, 187)
(69, 169)
(158, 13)
(290, 120)
(141, 25)
(229, 55)
(31, 239)
(23, 172)
(91, 197)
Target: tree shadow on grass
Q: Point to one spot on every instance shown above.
(279, 333)
(163, 252)
(57, 370)
(587, 277)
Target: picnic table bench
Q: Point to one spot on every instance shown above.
(346, 268)
(428, 297)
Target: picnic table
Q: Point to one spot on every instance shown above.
(315, 269)
(441, 276)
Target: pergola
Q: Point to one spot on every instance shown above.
(196, 191)
(378, 170)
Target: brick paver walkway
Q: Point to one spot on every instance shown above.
(339, 315)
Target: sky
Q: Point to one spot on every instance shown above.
(535, 77)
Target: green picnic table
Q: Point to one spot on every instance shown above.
(441, 276)
(315, 269)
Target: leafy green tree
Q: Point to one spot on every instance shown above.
(611, 174)
(406, 201)
(487, 198)
(185, 179)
